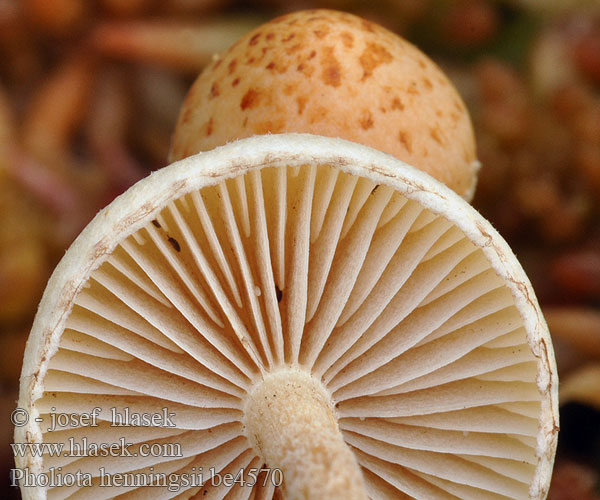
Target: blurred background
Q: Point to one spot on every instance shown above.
(90, 92)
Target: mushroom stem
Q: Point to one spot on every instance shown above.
(291, 423)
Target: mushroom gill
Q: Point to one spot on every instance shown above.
(295, 263)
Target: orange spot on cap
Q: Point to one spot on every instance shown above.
(250, 99)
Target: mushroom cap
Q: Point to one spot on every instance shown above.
(307, 252)
(337, 75)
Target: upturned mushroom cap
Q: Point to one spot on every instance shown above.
(337, 75)
(284, 296)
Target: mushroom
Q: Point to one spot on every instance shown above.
(306, 315)
(295, 314)
(337, 75)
